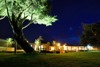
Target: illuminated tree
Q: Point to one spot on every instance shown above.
(9, 42)
(38, 43)
(6, 43)
(18, 11)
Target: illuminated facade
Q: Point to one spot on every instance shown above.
(66, 48)
(55, 47)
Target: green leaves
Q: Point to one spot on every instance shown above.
(33, 10)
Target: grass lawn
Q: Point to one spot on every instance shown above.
(70, 59)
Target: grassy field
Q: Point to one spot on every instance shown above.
(70, 59)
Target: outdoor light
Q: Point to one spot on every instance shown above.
(52, 48)
(42, 46)
(35, 48)
(58, 44)
(89, 47)
(65, 47)
(31, 45)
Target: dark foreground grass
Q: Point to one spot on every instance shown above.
(73, 59)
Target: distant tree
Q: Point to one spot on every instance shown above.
(17, 11)
(38, 43)
(9, 42)
(6, 42)
(91, 34)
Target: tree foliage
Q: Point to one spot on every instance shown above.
(91, 34)
(33, 10)
(17, 11)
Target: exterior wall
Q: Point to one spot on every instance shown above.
(3, 48)
(96, 48)
(10, 49)
(69, 48)
(6, 49)
(61, 49)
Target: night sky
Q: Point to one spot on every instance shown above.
(68, 29)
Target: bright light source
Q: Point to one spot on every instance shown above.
(41, 46)
(58, 44)
(52, 48)
(65, 47)
(89, 47)
(35, 48)
(31, 45)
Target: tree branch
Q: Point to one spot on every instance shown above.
(7, 10)
(27, 25)
(30, 22)
(2, 18)
(28, 6)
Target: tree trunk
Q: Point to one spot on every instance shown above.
(19, 37)
(23, 43)
(18, 34)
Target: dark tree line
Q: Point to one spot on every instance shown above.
(91, 34)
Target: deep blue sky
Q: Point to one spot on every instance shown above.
(68, 29)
